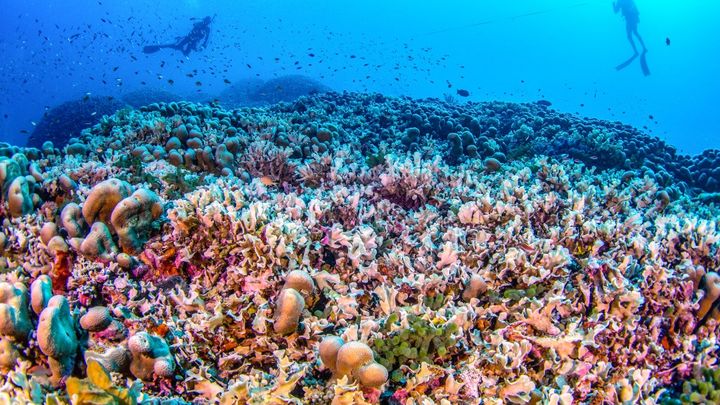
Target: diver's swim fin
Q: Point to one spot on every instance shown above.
(626, 63)
(155, 48)
(151, 48)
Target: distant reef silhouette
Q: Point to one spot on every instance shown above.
(143, 97)
(66, 120)
(256, 92)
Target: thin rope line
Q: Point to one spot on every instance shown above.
(513, 17)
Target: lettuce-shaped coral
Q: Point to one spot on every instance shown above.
(98, 388)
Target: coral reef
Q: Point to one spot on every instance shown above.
(240, 93)
(356, 248)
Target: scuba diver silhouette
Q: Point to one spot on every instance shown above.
(630, 12)
(199, 33)
(632, 19)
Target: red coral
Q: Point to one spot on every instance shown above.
(61, 272)
(400, 396)
(163, 265)
(372, 395)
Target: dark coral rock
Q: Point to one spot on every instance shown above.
(255, 92)
(65, 121)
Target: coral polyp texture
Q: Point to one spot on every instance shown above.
(353, 249)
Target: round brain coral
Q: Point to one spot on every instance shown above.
(711, 287)
(19, 199)
(300, 280)
(72, 220)
(40, 293)
(96, 319)
(14, 314)
(329, 347)
(352, 359)
(290, 305)
(56, 337)
(150, 357)
(133, 217)
(103, 198)
(99, 243)
(8, 355)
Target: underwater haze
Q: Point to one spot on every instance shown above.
(561, 50)
(394, 203)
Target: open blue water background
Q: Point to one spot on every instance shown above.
(563, 51)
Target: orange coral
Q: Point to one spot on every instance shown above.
(161, 329)
(163, 265)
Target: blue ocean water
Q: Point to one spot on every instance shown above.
(353, 247)
(564, 51)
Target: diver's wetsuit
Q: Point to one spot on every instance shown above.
(200, 33)
(632, 19)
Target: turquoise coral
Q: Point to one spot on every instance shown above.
(57, 337)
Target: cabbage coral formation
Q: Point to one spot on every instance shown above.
(260, 255)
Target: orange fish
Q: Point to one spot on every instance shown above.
(527, 248)
(268, 181)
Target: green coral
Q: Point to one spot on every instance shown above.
(129, 162)
(704, 389)
(434, 302)
(423, 341)
(600, 149)
(135, 173)
(98, 388)
(375, 159)
(182, 181)
(518, 294)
